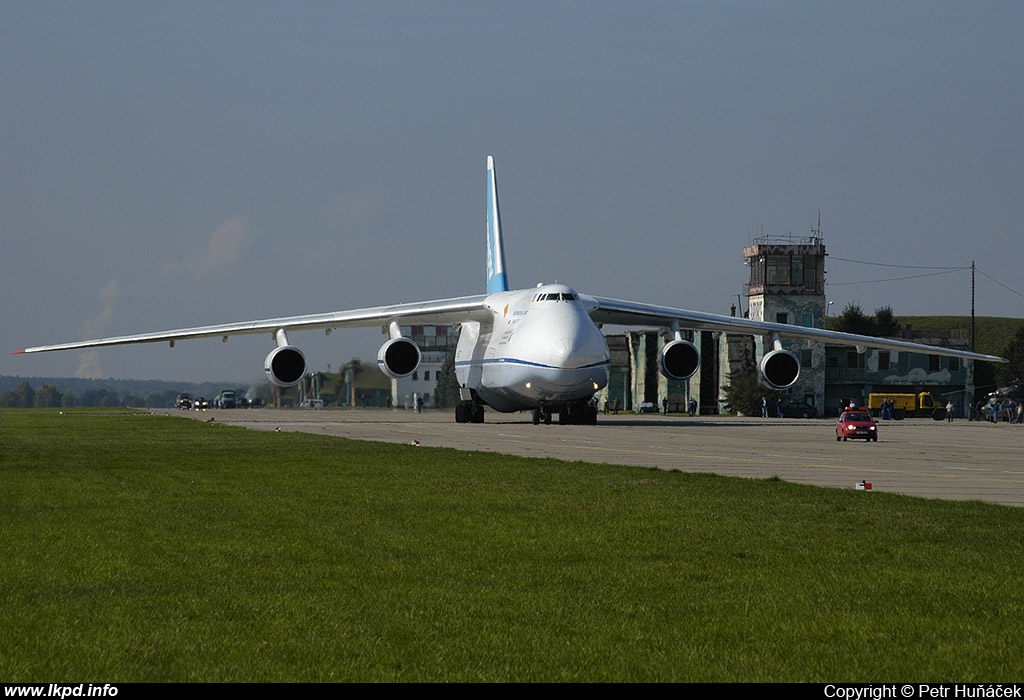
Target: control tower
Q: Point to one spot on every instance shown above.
(787, 285)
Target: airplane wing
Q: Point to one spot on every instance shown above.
(630, 313)
(442, 312)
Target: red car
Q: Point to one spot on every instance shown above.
(855, 425)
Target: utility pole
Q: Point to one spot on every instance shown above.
(972, 306)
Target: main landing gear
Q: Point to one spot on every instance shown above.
(469, 412)
(576, 413)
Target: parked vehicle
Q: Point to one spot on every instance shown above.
(997, 410)
(799, 409)
(1002, 404)
(908, 405)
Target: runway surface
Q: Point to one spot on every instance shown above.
(921, 457)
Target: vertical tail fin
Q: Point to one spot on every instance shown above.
(497, 281)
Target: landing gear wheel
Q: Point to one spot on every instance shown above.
(469, 412)
(476, 413)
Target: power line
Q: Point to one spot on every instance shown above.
(906, 277)
(993, 279)
(941, 270)
(908, 267)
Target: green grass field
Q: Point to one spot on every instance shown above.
(149, 548)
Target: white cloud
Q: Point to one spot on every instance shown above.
(223, 249)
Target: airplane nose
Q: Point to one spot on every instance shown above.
(564, 338)
(580, 349)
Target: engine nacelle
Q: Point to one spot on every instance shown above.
(679, 359)
(779, 369)
(398, 358)
(285, 366)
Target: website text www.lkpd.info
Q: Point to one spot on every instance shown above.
(61, 690)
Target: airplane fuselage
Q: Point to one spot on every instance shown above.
(540, 349)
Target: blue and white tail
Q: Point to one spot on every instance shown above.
(497, 280)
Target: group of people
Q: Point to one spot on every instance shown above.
(764, 407)
(691, 406)
(885, 411)
(1000, 409)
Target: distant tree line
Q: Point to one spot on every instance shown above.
(49, 396)
(1013, 371)
(882, 325)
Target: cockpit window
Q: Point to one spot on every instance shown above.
(555, 296)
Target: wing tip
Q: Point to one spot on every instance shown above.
(18, 352)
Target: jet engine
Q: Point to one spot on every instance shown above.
(679, 359)
(398, 358)
(285, 365)
(779, 369)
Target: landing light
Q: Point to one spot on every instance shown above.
(529, 385)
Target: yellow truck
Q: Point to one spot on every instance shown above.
(904, 405)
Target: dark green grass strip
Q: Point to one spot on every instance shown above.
(148, 548)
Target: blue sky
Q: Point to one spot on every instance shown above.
(178, 164)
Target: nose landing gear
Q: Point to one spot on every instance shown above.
(577, 413)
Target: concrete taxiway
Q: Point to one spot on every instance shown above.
(957, 461)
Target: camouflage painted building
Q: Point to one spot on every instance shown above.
(850, 375)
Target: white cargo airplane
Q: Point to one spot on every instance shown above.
(537, 349)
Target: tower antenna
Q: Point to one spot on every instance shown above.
(816, 232)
